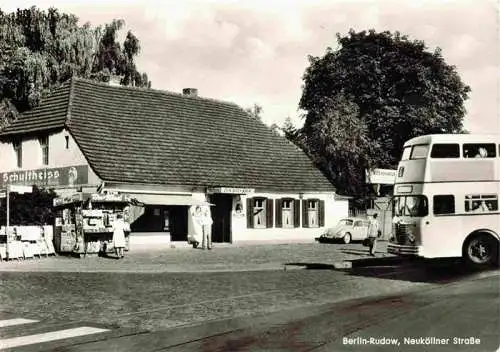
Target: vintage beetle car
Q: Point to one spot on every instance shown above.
(347, 230)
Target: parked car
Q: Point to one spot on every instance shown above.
(347, 230)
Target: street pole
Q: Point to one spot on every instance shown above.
(8, 223)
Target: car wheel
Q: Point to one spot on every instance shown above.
(347, 238)
(481, 251)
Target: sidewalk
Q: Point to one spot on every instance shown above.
(241, 257)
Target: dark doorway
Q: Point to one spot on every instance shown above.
(178, 223)
(221, 215)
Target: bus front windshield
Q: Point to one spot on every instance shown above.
(410, 206)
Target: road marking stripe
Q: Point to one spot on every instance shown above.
(49, 336)
(12, 322)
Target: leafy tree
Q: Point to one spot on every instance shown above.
(255, 111)
(290, 131)
(8, 113)
(370, 96)
(40, 49)
(30, 209)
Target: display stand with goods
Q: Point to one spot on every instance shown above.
(84, 222)
(11, 244)
(26, 242)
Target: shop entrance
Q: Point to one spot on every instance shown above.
(221, 215)
(171, 219)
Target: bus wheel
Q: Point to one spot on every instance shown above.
(347, 238)
(481, 251)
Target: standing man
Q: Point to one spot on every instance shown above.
(207, 229)
(373, 229)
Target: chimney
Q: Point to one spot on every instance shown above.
(190, 92)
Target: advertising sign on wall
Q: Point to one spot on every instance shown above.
(46, 177)
(230, 190)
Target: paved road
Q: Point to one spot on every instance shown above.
(460, 310)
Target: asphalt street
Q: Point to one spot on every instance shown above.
(462, 315)
(379, 304)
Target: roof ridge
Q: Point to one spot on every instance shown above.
(70, 100)
(161, 91)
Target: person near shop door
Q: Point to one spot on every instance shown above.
(373, 232)
(119, 228)
(207, 229)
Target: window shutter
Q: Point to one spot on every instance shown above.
(304, 214)
(250, 213)
(279, 212)
(321, 213)
(296, 213)
(269, 212)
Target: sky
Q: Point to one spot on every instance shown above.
(256, 51)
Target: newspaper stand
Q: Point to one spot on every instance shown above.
(84, 222)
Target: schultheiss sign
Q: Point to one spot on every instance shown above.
(59, 176)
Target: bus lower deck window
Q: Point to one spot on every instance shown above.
(444, 204)
(481, 203)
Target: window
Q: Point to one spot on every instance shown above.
(406, 153)
(479, 150)
(475, 203)
(359, 223)
(313, 213)
(346, 222)
(18, 150)
(410, 206)
(419, 152)
(259, 212)
(44, 146)
(444, 151)
(444, 204)
(287, 213)
(67, 141)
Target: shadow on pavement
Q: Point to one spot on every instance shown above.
(312, 266)
(403, 269)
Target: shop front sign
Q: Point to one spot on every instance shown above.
(381, 176)
(109, 198)
(46, 177)
(230, 190)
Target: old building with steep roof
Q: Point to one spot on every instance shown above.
(170, 151)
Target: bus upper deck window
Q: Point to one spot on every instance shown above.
(445, 151)
(406, 153)
(479, 150)
(419, 151)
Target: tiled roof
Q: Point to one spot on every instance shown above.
(147, 136)
(51, 114)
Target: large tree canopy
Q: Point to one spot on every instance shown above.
(40, 49)
(364, 100)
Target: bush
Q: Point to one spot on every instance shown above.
(29, 209)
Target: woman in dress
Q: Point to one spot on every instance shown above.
(119, 236)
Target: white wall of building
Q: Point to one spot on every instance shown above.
(334, 211)
(59, 156)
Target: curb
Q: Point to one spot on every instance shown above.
(346, 264)
(318, 266)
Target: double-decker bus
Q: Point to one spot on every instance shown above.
(446, 198)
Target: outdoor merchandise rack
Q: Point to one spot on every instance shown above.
(25, 242)
(84, 222)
